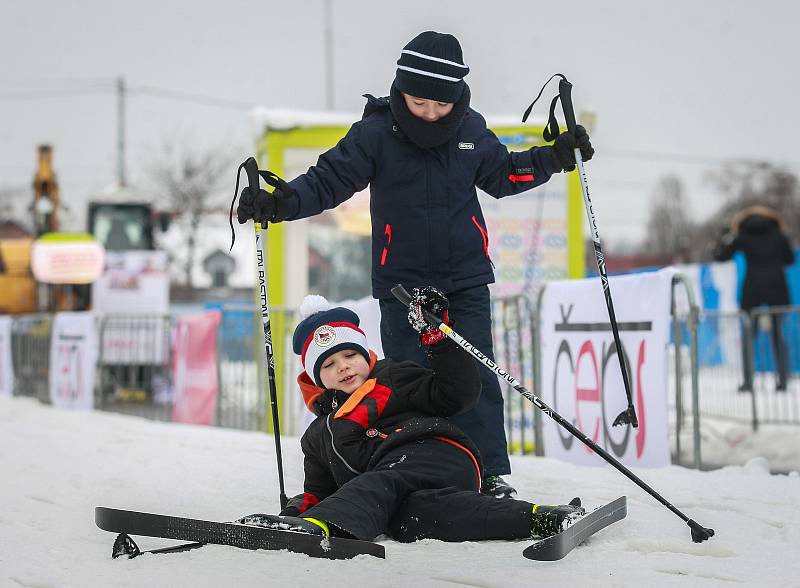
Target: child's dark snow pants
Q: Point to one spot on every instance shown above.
(424, 489)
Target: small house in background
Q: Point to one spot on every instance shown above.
(219, 265)
(12, 230)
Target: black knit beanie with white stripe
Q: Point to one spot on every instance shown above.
(431, 66)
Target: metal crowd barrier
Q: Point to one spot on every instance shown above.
(739, 365)
(774, 341)
(133, 374)
(243, 399)
(134, 366)
(683, 357)
(514, 347)
(30, 355)
(710, 359)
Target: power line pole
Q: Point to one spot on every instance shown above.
(328, 48)
(121, 132)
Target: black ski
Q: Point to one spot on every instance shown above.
(235, 534)
(559, 545)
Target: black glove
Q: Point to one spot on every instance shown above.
(293, 505)
(564, 148)
(264, 207)
(432, 300)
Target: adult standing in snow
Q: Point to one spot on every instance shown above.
(758, 231)
(423, 150)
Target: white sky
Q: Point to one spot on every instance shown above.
(697, 82)
(58, 465)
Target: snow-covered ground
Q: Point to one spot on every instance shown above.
(56, 466)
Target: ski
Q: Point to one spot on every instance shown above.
(128, 522)
(559, 545)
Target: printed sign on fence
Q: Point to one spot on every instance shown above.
(195, 368)
(527, 238)
(73, 352)
(6, 366)
(581, 375)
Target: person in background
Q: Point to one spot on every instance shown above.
(758, 232)
(423, 151)
(381, 457)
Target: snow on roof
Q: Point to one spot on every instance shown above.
(282, 119)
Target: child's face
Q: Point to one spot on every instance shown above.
(345, 370)
(427, 110)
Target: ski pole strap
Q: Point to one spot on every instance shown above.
(551, 129)
(251, 167)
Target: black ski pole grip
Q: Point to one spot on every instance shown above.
(401, 294)
(251, 167)
(404, 297)
(565, 92)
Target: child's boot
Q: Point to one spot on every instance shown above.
(497, 487)
(286, 523)
(551, 519)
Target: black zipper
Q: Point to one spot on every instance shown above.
(336, 451)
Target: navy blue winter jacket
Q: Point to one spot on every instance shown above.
(427, 224)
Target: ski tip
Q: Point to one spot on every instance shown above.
(699, 533)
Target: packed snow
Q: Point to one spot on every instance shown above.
(58, 465)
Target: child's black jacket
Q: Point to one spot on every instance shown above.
(400, 403)
(427, 224)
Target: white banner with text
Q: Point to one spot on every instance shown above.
(73, 354)
(581, 376)
(6, 366)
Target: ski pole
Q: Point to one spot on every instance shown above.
(699, 533)
(251, 168)
(629, 414)
(551, 131)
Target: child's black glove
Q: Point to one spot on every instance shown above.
(564, 148)
(262, 208)
(432, 300)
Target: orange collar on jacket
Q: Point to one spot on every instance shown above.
(311, 391)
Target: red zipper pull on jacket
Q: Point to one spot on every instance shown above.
(388, 234)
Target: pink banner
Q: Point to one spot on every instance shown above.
(195, 368)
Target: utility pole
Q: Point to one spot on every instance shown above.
(328, 48)
(121, 132)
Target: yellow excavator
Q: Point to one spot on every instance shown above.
(17, 284)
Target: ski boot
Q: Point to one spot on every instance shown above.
(497, 487)
(551, 519)
(287, 523)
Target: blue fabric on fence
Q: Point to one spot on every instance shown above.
(235, 332)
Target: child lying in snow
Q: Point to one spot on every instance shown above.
(382, 456)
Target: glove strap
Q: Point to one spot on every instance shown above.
(269, 177)
(434, 336)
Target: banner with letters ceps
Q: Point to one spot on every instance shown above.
(581, 377)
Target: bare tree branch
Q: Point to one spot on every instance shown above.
(190, 178)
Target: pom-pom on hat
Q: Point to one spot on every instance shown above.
(323, 331)
(431, 66)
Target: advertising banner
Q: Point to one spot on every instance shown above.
(73, 352)
(6, 366)
(66, 259)
(195, 368)
(581, 378)
(527, 237)
(133, 282)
